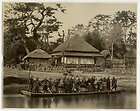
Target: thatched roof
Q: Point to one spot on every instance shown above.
(75, 44)
(38, 53)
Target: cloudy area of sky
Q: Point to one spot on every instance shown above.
(81, 13)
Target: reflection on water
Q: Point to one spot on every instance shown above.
(115, 101)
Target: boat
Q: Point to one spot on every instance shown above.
(32, 94)
(51, 94)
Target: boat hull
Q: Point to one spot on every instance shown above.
(31, 94)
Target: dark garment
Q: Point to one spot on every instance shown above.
(77, 88)
(104, 86)
(66, 85)
(50, 84)
(114, 83)
(92, 80)
(108, 84)
(93, 87)
(90, 87)
(98, 86)
(71, 84)
(45, 88)
(31, 82)
(36, 86)
(57, 85)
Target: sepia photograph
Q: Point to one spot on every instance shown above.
(69, 55)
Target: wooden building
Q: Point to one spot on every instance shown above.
(37, 59)
(37, 56)
(76, 51)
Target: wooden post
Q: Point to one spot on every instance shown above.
(112, 50)
(29, 76)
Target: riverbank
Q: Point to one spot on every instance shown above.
(17, 79)
(13, 83)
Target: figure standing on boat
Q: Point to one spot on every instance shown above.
(114, 83)
(31, 82)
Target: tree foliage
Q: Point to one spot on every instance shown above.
(32, 23)
(119, 28)
(103, 30)
(94, 39)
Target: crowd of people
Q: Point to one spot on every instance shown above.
(71, 83)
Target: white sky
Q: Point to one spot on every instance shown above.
(81, 13)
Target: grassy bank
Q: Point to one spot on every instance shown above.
(14, 88)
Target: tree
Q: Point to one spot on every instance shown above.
(100, 23)
(94, 39)
(28, 20)
(62, 37)
(77, 30)
(106, 26)
(13, 44)
(127, 19)
(115, 41)
(132, 36)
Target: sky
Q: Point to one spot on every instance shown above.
(81, 13)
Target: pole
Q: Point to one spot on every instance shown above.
(112, 50)
(112, 53)
(29, 76)
(125, 45)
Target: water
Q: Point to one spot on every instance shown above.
(115, 101)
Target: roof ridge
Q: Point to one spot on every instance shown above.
(37, 53)
(76, 43)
